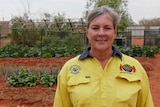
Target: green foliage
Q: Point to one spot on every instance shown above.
(139, 51)
(22, 78)
(15, 51)
(51, 46)
(12, 51)
(119, 6)
(47, 55)
(47, 80)
(70, 48)
(32, 52)
(24, 33)
(25, 77)
(150, 22)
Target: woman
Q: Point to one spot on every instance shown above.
(102, 76)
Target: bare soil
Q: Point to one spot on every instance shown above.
(37, 96)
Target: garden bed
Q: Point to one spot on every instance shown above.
(40, 96)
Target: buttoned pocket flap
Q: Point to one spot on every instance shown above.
(128, 76)
(78, 80)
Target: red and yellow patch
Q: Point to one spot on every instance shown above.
(127, 68)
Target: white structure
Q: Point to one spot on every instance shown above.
(138, 31)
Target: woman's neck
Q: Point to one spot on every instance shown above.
(102, 56)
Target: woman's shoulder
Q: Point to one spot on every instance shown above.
(73, 59)
(124, 56)
(130, 59)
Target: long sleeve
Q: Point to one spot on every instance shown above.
(145, 97)
(62, 98)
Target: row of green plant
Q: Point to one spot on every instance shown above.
(139, 51)
(61, 50)
(48, 47)
(23, 76)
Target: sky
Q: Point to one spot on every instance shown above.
(138, 9)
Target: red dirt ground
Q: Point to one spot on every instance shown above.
(40, 96)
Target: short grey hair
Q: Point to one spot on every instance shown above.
(103, 10)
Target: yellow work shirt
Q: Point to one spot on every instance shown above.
(84, 83)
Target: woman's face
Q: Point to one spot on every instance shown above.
(101, 33)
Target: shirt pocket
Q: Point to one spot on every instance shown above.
(129, 77)
(79, 90)
(128, 88)
(78, 80)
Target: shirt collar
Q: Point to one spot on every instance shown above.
(86, 53)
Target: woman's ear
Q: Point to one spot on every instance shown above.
(86, 31)
(115, 30)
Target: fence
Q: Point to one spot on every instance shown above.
(29, 30)
(152, 37)
(141, 35)
(123, 38)
(4, 30)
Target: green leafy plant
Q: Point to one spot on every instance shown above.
(69, 46)
(22, 78)
(48, 76)
(138, 51)
(47, 80)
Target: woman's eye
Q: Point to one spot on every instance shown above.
(107, 28)
(94, 28)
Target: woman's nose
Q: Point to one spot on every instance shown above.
(101, 32)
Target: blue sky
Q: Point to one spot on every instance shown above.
(138, 9)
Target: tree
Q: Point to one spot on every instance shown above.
(150, 22)
(119, 5)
